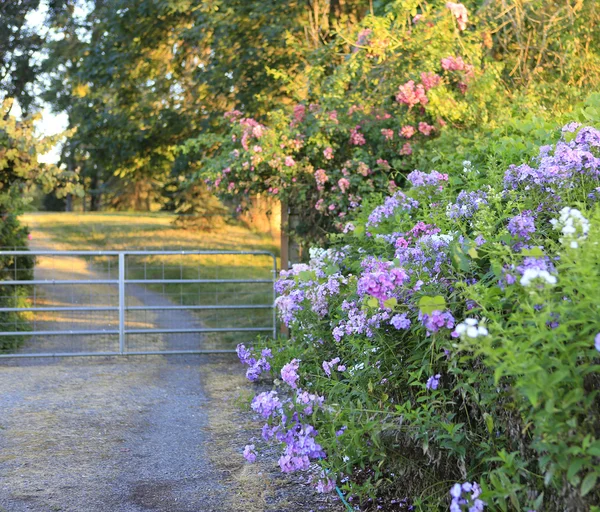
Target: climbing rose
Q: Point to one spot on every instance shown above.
(459, 11)
(430, 80)
(407, 131)
(387, 133)
(411, 94)
(406, 149)
(344, 184)
(356, 137)
(425, 128)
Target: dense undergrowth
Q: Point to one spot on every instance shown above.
(445, 350)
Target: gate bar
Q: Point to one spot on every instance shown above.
(59, 281)
(199, 329)
(51, 333)
(232, 306)
(193, 281)
(59, 308)
(122, 303)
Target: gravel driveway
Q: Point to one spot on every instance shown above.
(135, 434)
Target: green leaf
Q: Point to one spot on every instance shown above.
(390, 303)
(489, 421)
(307, 275)
(588, 483)
(372, 302)
(574, 468)
(473, 253)
(534, 252)
(428, 304)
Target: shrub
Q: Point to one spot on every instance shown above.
(451, 335)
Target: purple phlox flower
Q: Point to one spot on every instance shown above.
(467, 203)
(522, 225)
(300, 448)
(310, 400)
(256, 366)
(319, 294)
(382, 282)
(421, 179)
(288, 305)
(433, 382)
(244, 355)
(250, 453)
(571, 127)
(289, 373)
(588, 136)
(266, 403)
(325, 486)
(597, 342)
(268, 431)
(461, 500)
(327, 365)
(436, 321)
(400, 321)
(390, 206)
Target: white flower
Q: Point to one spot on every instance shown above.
(533, 273)
(471, 328)
(573, 225)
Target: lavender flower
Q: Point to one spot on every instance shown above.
(289, 373)
(250, 453)
(391, 205)
(400, 321)
(266, 404)
(597, 342)
(461, 501)
(467, 203)
(522, 225)
(328, 365)
(421, 179)
(433, 382)
(436, 321)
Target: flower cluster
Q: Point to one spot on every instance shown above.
(382, 281)
(471, 328)
(374, 333)
(467, 203)
(463, 501)
(459, 11)
(390, 207)
(411, 94)
(522, 225)
(436, 320)
(422, 179)
(257, 365)
(573, 226)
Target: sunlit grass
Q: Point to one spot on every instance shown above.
(156, 232)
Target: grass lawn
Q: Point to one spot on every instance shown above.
(155, 232)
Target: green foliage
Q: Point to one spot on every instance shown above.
(19, 171)
(515, 405)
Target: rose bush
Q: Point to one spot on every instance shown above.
(445, 350)
(343, 141)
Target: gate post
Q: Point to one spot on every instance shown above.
(121, 303)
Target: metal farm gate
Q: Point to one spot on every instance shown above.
(107, 303)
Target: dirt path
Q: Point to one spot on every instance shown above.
(139, 434)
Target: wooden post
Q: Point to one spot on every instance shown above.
(285, 237)
(285, 251)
